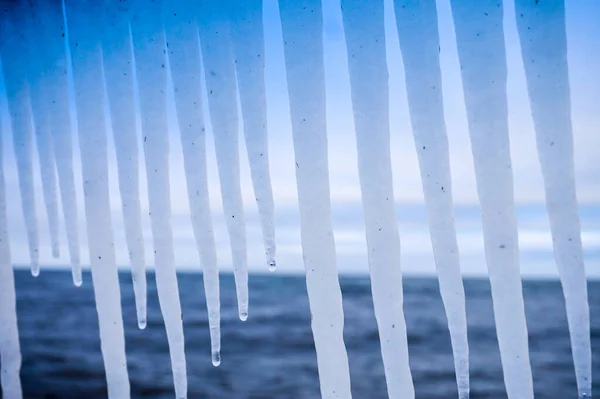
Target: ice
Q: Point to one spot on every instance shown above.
(248, 48)
(47, 170)
(89, 100)
(420, 44)
(302, 28)
(365, 41)
(149, 48)
(10, 353)
(50, 47)
(219, 71)
(15, 63)
(118, 72)
(117, 47)
(480, 42)
(543, 38)
(184, 61)
(43, 135)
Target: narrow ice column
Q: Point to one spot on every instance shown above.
(219, 71)
(149, 50)
(420, 44)
(15, 62)
(365, 43)
(184, 61)
(89, 101)
(480, 41)
(117, 58)
(249, 53)
(10, 352)
(47, 169)
(302, 28)
(39, 110)
(541, 28)
(51, 46)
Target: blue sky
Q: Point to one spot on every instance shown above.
(537, 260)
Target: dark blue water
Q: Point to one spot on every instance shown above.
(272, 354)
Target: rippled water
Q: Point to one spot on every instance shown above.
(272, 354)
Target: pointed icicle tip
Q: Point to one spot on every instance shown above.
(77, 280)
(272, 265)
(142, 323)
(35, 270)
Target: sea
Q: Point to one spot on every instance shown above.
(272, 354)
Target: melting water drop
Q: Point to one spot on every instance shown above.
(77, 280)
(35, 271)
(243, 314)
(142, 323)
(272, 265)
(216, 358)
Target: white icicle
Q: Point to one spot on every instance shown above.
(149, 49)
(89, 100)
(219, 71)
(117, 59)
(39, 110)
(420, 44)
(249, 52)
(51, 48)
(544, 48)
(10, 353)
(47, 170)
(184, 61)
(302, 28)
(365, 42)
(480, 42)
(15, 62)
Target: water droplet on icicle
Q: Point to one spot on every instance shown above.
(77, 280)
(216, 358)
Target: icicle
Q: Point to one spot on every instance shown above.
(248, 47)
(302, 28)
(149, 49)
(184, 62)
(13, 47)
(39, 110)
(544, 47)
(480, 41)
(365, 42)
(10, 353)
(89, 101)
(420, 43)
(48, 173)
(118, 72)
(219, 71)
(51, 49)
